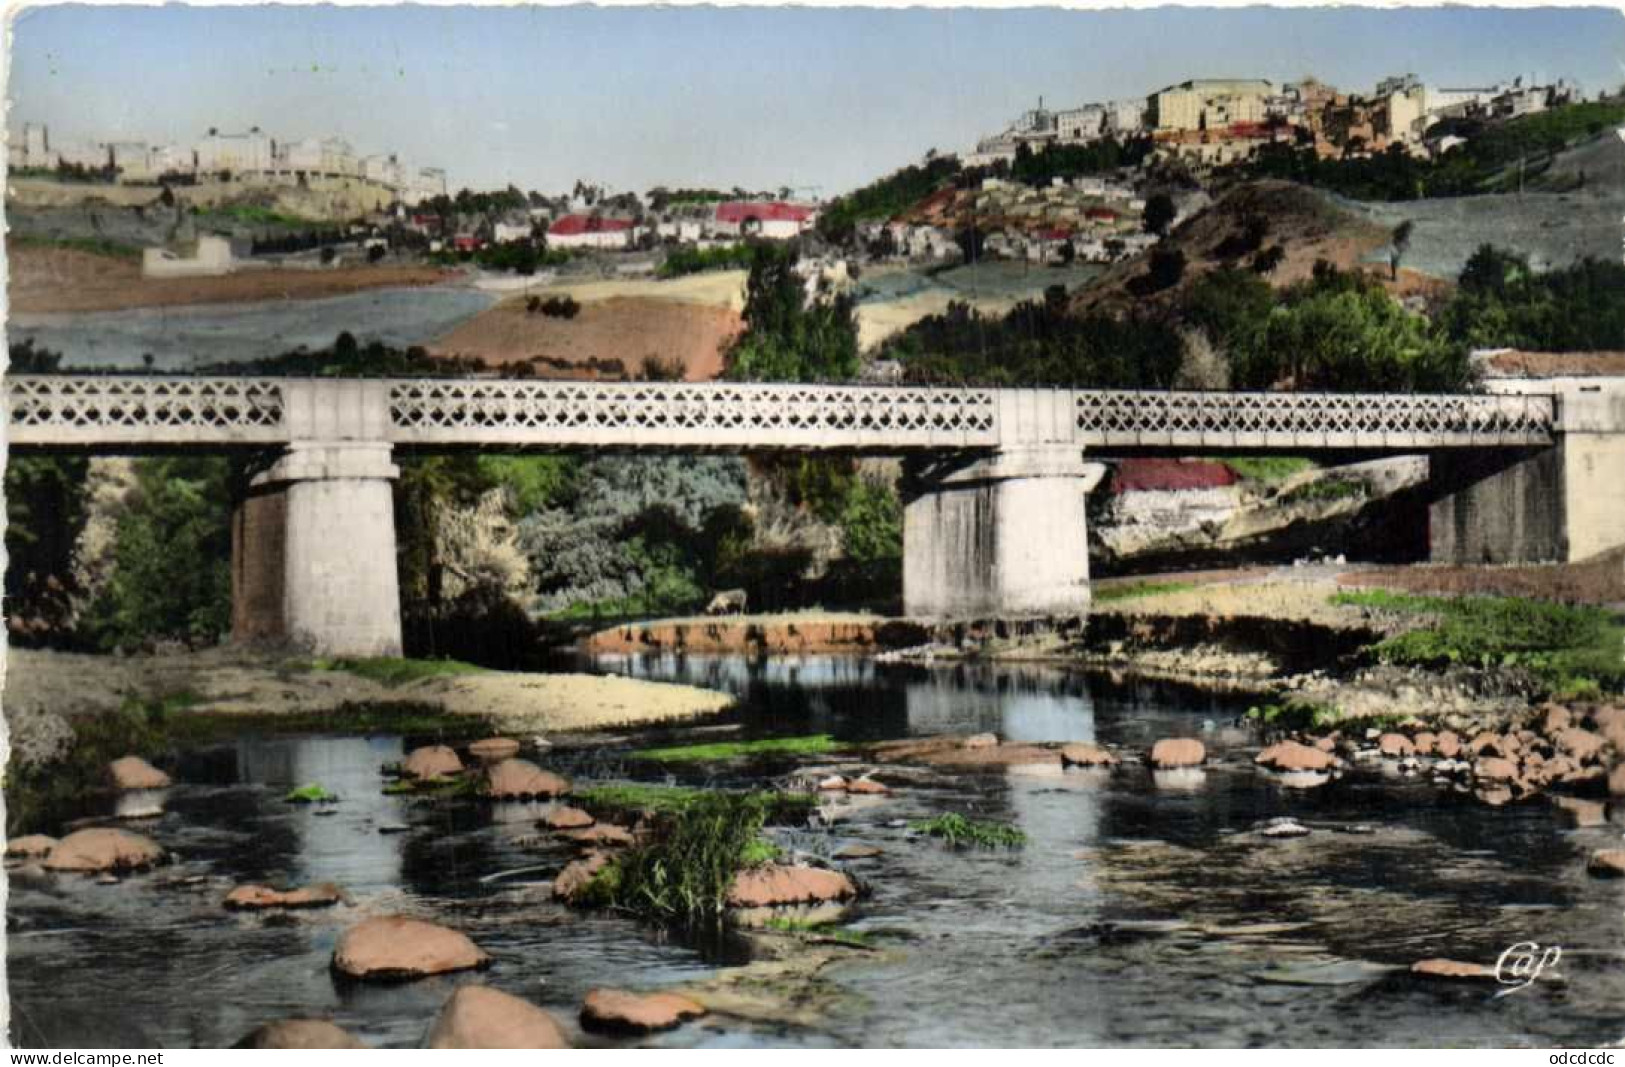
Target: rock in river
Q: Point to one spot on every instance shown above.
(1173, 752)
(1284, 827)
(494, 749)
(1086, 754)
(101, 849)
(261, 897)
(299, 1034)
(479, 1017)
(776, 885)
(431, 761)
(395, 947)
(30, 847)
(577, 875)
(517, 779)
(618, 1012)
(601, 834)
(1616, 781)
(1291, 756)
(1607, 863)
(1393, 746)
(563, 817)
(133, 772)
(1454, 969)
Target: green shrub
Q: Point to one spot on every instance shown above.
(1561, 646)
(682, 876)
(959, 832)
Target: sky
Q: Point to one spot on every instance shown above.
(820, 100)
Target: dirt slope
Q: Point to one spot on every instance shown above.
(607, 338)
(1306, 225)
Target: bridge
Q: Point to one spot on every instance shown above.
(994, 488)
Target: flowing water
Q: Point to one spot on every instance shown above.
(1142, 911)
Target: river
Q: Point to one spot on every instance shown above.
(185, 339)
(1141, 911)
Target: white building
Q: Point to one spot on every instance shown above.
(326, 157)
(503, 232)
(1125, 116)
(1086, 123)
(238, 153)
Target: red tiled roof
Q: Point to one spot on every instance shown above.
(571, 225)
(1054, 234)
(1100, 213)
(734, 211)
(1146, 475)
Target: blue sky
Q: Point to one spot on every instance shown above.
(634, 97)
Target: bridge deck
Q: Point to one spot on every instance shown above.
(69, 411)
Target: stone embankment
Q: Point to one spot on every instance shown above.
(796, 634)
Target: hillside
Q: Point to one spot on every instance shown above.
(1250, 218)
(1552, 228)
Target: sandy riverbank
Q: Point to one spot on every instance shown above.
(226, 682)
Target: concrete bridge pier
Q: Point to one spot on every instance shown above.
(1002, 535)
(1553, 505)
(313, 552)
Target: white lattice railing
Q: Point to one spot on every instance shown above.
(1125, 419)
(88, 411)
(49, 409)
(709, 415)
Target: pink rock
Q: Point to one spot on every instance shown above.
(619, 1012)
(1173, 752)
(395, 947)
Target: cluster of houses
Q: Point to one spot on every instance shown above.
(1085, 219)
(709, 225)
(250, 157)
(1222, 120)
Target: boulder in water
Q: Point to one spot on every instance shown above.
(260, 897)
(394, 948)
(1086, 754)
(30, 846)
(564, 817)
(601, 834)
(1607, 863)
(517, 779)
(477, 1016)
(133, 772)
(616, 1011)
(577, 876)
(776, 885)
(1292, 756)
(103, 849)
(299, 1034)
(431, 761)
(1451, 969)
(494, 749)
(1395, 746)
(1172, 752)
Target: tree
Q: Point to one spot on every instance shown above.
(1167, 267)
(171, 574)
(1159, 213)
(1400, 242)
(790, 336)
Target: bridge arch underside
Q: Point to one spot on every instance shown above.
(994, 487)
